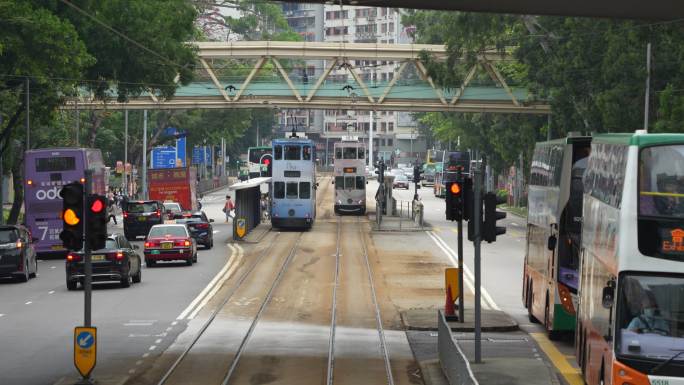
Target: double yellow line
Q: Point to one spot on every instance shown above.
(571, 374)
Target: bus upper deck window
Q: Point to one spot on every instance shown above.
(292, 152)
(662, 181)
(306, 152)
(278, 152)
(338, 153)
(349, 153)
(362, 153)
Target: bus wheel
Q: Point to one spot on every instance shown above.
(554, 335)
(530, 298)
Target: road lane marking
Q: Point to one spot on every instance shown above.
(158, 341)
(145, 355)
(2, 315)
(216, 231)
(53, 267)
(466, 271)
(28, 303)
(218, 286)
(212, 284)
(132, 371)
(152, 347)
(51, 292)
(571, 374)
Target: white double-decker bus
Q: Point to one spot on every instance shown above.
(630, 318)
(350, 177)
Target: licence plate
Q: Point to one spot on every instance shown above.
(142, 219)
(167, 245)
(57, 247)
(98, 257)
(155, 251)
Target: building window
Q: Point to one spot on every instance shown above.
(391, 28)
(391, 126)
(389, 142)
(384, 126)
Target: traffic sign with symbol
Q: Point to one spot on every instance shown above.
(85, 349)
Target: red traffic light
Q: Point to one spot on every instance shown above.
(266, 161)
(97, 206)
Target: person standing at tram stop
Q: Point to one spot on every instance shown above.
(228, 207)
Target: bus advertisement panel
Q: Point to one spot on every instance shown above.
(45, 172)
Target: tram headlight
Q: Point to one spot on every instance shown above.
(339, 202)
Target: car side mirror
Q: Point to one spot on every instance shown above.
(608, 296)
(551, 243)
(211, 220)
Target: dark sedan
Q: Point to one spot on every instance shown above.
(118, 261)
(200, 227)
(17, 255)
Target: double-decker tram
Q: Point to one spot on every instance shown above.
(45, 172)
(630, 319)
(554, 224)
(257, 161)
(293, 193)
(452, 162)
(350, 177)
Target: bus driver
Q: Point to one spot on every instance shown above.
(649, 320)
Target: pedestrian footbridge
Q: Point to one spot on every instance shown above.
(258, 74)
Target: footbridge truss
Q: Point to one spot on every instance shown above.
(258, 74)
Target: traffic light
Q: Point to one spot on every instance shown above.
(96, 218)
(454, 201)
(267, 163)
(72, 216)
(489, 228)
(417, 173)
(380, 171)
(468, 202)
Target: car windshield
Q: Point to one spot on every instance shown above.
(401, 177)
(173, 207)
(661, 185)
(162, 231)
(650, 316)
(8, 235)
(137, 207)
(111, 244)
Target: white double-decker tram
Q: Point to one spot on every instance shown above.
(350, 177)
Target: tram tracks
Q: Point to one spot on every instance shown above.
(280, 336)
(168, 377)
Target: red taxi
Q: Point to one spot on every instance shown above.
(170, 242)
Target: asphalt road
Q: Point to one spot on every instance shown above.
(134, 324)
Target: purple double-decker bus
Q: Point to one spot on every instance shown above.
(45, 172)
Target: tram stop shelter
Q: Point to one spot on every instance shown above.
(247, 205)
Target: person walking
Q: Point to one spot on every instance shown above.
(111, 208)
(228, 207)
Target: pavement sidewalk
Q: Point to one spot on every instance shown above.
(509, 356)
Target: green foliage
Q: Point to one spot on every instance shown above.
(592, 71)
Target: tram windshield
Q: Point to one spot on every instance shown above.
(349, 153)
(292, 153)
(650, 314)
(661, 191)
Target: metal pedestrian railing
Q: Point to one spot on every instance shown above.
(454, 363)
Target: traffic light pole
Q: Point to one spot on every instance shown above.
(88, 265)
(477, 217)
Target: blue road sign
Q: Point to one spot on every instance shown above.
(85, 339)
(164, 157)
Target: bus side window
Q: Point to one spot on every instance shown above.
(338, 153)
(278, 152)
(306, 153)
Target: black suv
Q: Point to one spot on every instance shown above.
(140, 216)
(17, 255)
